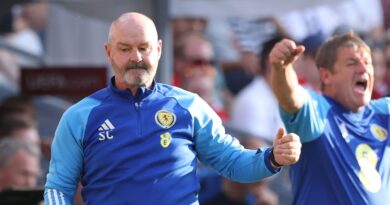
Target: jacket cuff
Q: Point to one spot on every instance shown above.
(267, 162)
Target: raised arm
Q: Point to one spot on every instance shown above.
(284, 80)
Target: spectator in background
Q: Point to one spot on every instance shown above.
(18, 117)
(379, 63)
(19, 164)
(18, 120)
(248, 37)
(191, 49)
(183, 26)
(21, 127)
(23, 47)
(386, 77)
(18, 105)
(25, 39)
(35, 15)
(8, 63)
(376, 39)
(386, 74)
(197, 71)
(306, 66)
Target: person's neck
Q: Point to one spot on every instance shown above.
(343, 103)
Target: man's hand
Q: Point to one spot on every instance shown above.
(285, 53)
(286, 148)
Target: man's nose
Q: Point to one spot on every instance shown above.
(135, 55)
(363, 66)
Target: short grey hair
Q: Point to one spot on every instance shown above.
(9, 146)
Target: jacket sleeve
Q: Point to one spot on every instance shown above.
(224, 152)
(66, 158)
(310, 121)
(56, 197)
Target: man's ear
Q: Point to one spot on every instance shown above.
(107, 50)
(159, 48)
(324, 75)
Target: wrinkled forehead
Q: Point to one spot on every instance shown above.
(356, 46)
(355, 49)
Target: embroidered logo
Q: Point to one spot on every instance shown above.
(379, 132)
(368, 175)
(165, 139)
(165, 119)
(104, 130)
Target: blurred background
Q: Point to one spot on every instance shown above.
(52, 55)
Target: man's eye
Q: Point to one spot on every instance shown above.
(144, 49)
(124, 49)
(368, 62)
(351, 63)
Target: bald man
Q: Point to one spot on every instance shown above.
(137, 141)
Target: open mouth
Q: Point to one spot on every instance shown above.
(361, 85)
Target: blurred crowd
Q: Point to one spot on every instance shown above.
(22, 36)
(231, 75)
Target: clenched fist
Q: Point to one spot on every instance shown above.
(286, 148)
(284, 53)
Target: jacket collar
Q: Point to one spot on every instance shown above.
(142, 92)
